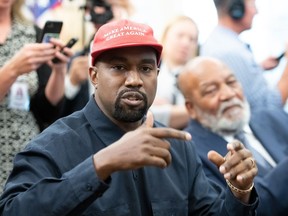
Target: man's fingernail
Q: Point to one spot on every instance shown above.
(227, 175)
(222, 169)
(188, 136)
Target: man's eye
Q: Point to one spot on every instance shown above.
(146, 69)
(118, 67)
(232, 82)
(210, 91)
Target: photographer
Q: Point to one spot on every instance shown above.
(77, 87)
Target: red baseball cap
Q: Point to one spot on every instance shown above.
(123, 33)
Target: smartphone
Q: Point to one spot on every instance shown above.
(69, 44)
(51, 29)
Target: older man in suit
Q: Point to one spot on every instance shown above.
(220, 113)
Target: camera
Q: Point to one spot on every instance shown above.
(99, 10)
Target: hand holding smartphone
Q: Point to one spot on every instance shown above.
(70, 44)
(52, 29)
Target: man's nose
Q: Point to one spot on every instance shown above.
(226, 92)
(133, 78)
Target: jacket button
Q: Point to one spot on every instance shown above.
(89, 187)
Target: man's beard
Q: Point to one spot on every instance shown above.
(222, 124)
(122, 113)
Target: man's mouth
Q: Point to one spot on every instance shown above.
(233, 109)
(132, 98)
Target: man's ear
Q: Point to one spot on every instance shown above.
(93, 75)
(191, 109)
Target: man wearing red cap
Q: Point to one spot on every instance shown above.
(112, 158)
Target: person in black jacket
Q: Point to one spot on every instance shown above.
(31, 86)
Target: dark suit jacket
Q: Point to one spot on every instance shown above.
(271, 128)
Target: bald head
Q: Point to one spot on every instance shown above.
(199, 67)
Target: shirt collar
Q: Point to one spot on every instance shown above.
(105, 129)
(246, 129)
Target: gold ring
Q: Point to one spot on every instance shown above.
(253, 162)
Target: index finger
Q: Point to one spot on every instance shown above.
(149, 119)
(163, 133)
(38, 46)
(56, 41)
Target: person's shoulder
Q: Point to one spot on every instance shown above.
(270, 112)
(67, 124)
(213, 45)
(65, 130)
